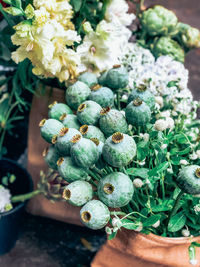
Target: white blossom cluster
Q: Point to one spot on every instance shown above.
(166, 78)
(5, 198)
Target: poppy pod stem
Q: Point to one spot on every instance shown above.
(24, 197)
(118, 100)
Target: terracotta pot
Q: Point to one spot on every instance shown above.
(36, 145)
(138, 250)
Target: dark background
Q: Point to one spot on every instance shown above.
(47, 243)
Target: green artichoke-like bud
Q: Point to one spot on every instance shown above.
(58, 110)
(89, 112)
(51, 157)
(190, 37)
(90, 131)
(119, 150)
(111, 121)
(95, 214)
(144, 94)
(50, 128)
(71, 172)
(167, 46)
(88, 78)
(138, 113)
(63, 140)
(84, 152)
(102, 78)
(117, 77)
(189, 179)
(78, 193)
(102, 95)
(158, 21)
(51, 185)
(76, 94)
(70, 121)
(115, 190)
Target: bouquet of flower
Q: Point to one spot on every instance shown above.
(128, 145)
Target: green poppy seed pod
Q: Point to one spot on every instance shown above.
(158, 21)
(49, 129)
(90, 131)
(115, 190)
(95, 214)
(70, 121)
(138, 113)
(78, 193)
(58, 110)
(63, 140)
(167, 46)
(111, 121)
(51, 157)
(102, 78)
(144, 94)
(88, 78)
(117, 77)
(89, 112)
(71, 172)
(84, 152)
(99, 144)
(76, 94)
(102, 95)
(119, 150)
(188, 179)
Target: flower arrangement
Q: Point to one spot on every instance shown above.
(59, 45)
(136, 154)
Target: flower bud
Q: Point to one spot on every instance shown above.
(87, 27)
(116, 222)
(161, 125)
(156, 225)
(138, 183)
(185, 232)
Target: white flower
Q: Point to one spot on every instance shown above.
(139, 228)
(193, 261)
(170, 170)
(193, 156)
(116, 222)
(108, 230)
(156, 225)
(145, 136)
(118, 9)
(184, 162)
(159, 101)
(163, 146)
(141, 163)
(170, 122)
(138, 183)
(198, 153)
(5, 198)
(161, 125)
(185, 232)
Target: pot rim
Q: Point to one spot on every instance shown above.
(20, 205)
(179, 240)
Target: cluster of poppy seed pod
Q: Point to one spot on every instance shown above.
(92, 144)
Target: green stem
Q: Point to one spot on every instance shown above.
(24, 197)
(176, 205)
(118, 100)
(163, 187)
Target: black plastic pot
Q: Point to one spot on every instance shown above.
(10, 221)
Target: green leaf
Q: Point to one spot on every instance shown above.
(142, 150)
(113, 235)
(76, 4)
(151, 220)
(177, 222)
(13, 11)
(181, 138)
(12, 178)
(138, 172)
(164, 205)
(195, 244)
(162, 167)
(4, 180)
(130, 225)
(8, 1)
(17, 3)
